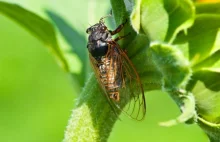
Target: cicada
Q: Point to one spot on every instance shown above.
(114, 70)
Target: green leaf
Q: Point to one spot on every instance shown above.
(77, 43)
(119, 11)
(177, 23)
(176, 73)
(162, 20)
(174, 67)
(186, 102)
(211, 8)
(207, 101)
(153, 19)
(136, 16)
(40, 28)
(201, 8)
(202, 36)
(208, 62)
(207, 95)
(210, 78)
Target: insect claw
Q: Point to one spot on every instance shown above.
(126, 20)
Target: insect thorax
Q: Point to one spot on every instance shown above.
(98, 48)
(98, 43)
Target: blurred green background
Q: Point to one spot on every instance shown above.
(37, 96)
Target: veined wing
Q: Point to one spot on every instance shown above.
(132, 99)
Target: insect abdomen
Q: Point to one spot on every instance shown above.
(110, 77)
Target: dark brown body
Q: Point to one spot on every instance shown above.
(114, 71)
(104, 53)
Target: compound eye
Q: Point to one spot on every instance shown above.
(88, 31)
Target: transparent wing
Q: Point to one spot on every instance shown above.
(96, 70)
(132, 99)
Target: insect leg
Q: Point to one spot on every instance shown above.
(121, 37)
(118, 29)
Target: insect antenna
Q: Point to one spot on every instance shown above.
(101, 19)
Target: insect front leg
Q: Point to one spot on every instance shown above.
(118, 29)
(121, 37)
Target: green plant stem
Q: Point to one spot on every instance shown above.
(92, 119)
(211, 129)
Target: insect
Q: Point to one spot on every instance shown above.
(114, 70)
